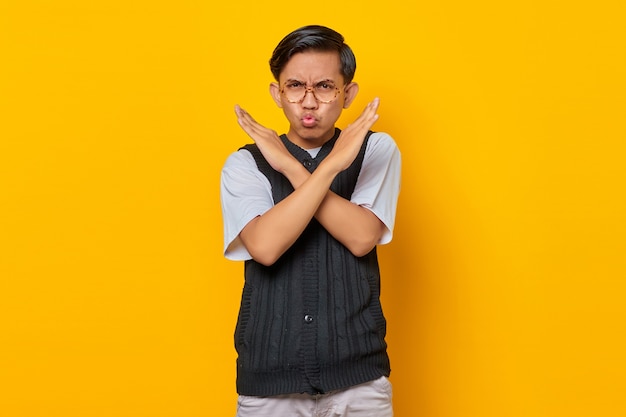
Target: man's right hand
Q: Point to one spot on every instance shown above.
(268, 141)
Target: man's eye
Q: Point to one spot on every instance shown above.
(294, 85)
(326, 86)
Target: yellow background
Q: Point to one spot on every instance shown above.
(504, 286)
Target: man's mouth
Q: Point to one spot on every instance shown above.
(308, 120)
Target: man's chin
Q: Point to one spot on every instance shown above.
(315, 134)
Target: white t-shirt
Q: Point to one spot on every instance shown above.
(247, 193)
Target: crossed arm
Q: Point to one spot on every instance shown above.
(268, 236)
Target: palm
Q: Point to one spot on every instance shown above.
(268, 141)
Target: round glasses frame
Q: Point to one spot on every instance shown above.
(311, 90)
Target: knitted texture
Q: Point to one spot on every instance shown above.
(311, 322)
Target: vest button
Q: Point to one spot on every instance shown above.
(308, 318)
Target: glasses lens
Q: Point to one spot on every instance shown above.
(294, 91)
(324, 91)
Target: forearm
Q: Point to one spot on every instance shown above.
(356, 227)
(268, 236)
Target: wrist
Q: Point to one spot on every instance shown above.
(295, 172)
(328, 168)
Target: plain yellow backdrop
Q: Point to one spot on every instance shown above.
(504, 285)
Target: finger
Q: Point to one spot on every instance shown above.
(243, 118)
(251, 125)
(246, 121)
(370, 110)
(253, 129)
(375, 103)
(239, 111)
(243, 114)
(372, 107)
(367, 118)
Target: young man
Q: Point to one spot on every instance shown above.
(306, 210)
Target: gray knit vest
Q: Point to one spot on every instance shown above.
(311, 322)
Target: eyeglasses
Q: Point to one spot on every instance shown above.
(324, 91)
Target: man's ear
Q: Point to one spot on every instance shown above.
(275, 92)
(350, 92)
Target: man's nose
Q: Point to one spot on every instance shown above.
(309, 101)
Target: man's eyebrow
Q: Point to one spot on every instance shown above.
(325, 80)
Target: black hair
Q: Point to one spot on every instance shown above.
(313, 37)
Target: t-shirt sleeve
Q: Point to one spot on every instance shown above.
(378, 185)
(245, 193)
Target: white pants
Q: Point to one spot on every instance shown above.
(372, 399)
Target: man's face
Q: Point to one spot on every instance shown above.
(311, 122)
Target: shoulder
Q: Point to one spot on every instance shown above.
(240, 167)
(381, 140)
(240, 176)
(239, 159)
(381, 144)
